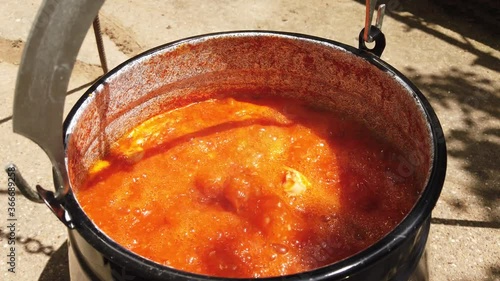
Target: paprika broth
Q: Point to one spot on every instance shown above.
(248, 188)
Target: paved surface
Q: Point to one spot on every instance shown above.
(449, 49)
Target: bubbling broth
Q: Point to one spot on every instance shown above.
(248, 188)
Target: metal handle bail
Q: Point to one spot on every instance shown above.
(56, 36)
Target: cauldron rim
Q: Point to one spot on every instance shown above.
(419, 214)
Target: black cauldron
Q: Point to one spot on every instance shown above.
(354, 82)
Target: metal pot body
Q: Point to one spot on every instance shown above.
(88, 264)
(323, 72)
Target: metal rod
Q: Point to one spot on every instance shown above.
(100, 45)
(370, 8)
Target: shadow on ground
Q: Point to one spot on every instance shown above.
(473, 140)
(30, 245)
(479, 102)
(477, 98)
(57, 266)
(477, 20)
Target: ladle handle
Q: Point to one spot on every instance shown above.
(48, 59)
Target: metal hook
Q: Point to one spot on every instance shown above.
(370, 8)
(372, 33)
(380, 16)
(22, 184)
(40, 195)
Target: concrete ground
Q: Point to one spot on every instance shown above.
(449, 49)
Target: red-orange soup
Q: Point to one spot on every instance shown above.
(247, 188)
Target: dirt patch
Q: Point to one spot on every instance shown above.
(120, 35)
(11, 52)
